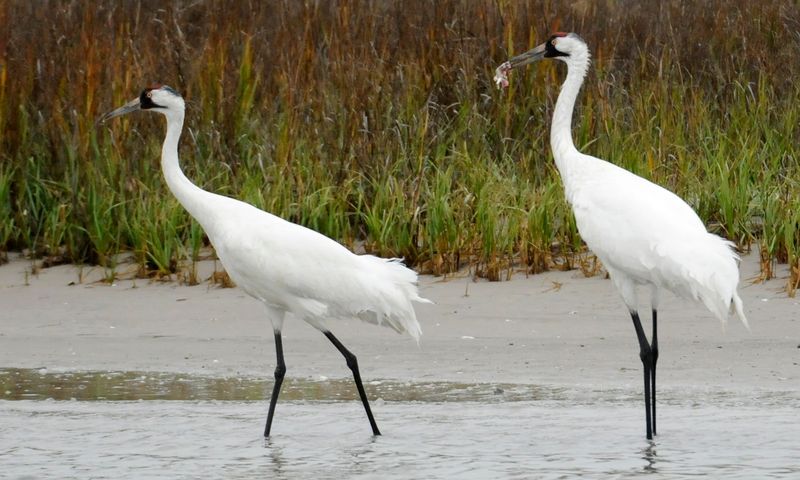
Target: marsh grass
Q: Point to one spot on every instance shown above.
(376, 123)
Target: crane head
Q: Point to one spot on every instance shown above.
(157, 97)
(560, 46)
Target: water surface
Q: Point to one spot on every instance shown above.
(144, 425)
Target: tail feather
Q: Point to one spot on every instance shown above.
(738, 308)
(706, 269)
(397, 289)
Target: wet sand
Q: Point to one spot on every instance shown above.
(553, 329)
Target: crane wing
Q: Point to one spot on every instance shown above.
(312, 276)
(649, 234)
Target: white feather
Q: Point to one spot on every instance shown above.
(289, 268)
(292, 269)
(643, 233)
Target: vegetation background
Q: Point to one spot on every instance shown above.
(377, 124)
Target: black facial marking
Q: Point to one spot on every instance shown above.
(550, 50)
(145, 100)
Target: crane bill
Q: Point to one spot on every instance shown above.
(129, 107)
(501, 75)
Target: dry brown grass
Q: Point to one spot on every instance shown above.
(312, 109)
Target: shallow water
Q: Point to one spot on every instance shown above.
(180, 429)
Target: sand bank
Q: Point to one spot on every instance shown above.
(557, 328)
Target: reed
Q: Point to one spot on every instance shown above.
(377, 123)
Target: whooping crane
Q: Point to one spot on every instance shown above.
(643, 233)
(289, 268)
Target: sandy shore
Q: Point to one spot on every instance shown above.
(557, 328)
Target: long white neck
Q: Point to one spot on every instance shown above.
(564, 151)
(192, 197)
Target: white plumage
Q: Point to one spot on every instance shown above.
(305, 273)
(643, 233)
(646, 235)
(288, 267)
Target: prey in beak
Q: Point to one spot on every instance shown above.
(501, 73)
(552, 48)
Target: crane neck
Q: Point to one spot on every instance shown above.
(188, 194)
(564, 151)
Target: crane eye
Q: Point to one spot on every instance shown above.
(149, 94)
(553, 42)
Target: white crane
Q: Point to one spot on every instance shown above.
(289, 268)
(643, 233)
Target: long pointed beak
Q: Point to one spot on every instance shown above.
(500, 75)
(129, 107)
(528, 57)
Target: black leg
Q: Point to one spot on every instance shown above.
(352, 363)
(645, 354)
(647, 400)
(654, 351)
(280, 371)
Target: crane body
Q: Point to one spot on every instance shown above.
(643, 233)
(289, 268)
